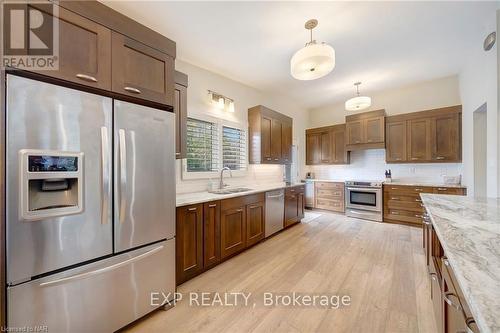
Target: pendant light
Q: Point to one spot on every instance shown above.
(313, 60)
(358, 103)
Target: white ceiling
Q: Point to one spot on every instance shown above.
(382, 44)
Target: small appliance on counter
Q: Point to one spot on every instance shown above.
(388, 176)
(309, 175)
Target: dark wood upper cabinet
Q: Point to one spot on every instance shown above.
(270, 136)
(189, 242)
(141, 71)
(432, 136)
(180, 110)
(418, 140)
(286, 143)
(395, 146)
(445, 138)
(255, 223)
(211, 233)
(84, 51)
(276, 139)
(366, 130)
(326, 145)
(354, 132)
(313, 148)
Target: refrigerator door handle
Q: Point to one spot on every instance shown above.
(105, 191)
(123, 175)
(102, 270)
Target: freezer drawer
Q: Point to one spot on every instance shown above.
(144, 175)
(99, 297)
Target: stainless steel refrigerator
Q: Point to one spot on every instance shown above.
(90, 208)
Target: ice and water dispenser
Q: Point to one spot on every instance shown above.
(51, 183)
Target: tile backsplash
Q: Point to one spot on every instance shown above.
(371, 165)
(256, 174)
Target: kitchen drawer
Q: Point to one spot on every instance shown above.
(449, 190)
(333, 205)
(294, 190)
(408, 189)
(237, 202)
(333, 185)
(404, 215)
(409, 206)
(330, 193)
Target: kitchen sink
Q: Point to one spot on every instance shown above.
(231, 190)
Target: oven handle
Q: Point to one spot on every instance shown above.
(372, 190)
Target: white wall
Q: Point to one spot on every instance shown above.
(478, 85)
(200, 81)
(370, 164)
(416, 97)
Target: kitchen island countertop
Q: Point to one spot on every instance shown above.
(469, 232)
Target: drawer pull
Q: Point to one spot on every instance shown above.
(418, 200)
(415, 158)
(450, 302)
(418, 189)
(239, 210)
(439, 157)
(434, 276)
(212, 205)
(469, 322)
(85, 77)
(394, 188)
(394, 198)
(276, 159)
(132, 90)
(192, 209)
(419, 216)
(395, 213)
(254, 206)
(446, 262)
(442, 189)
(424, 221)
(268, 158)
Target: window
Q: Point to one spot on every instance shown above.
(212, 144)
(202, 146)
(233, 148)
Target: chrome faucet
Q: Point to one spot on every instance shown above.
(221, 182)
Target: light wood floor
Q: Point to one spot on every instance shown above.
(381, 266)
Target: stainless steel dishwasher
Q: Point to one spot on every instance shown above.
(275, 211)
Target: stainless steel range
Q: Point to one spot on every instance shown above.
(364, 200)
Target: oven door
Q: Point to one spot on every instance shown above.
(364, 198)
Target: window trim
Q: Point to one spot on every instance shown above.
(185, 175)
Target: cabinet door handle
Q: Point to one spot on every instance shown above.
(85, 77)
(255, 206)
(239, 210)
(276, 159)
(415, 158)
(369, 140)
(439, 157)
(132, 90)
(434, 276)
(268, 158)
(192, 209)
(446, 298)
(212, 205)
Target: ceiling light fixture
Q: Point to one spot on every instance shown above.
(313, 60)
(358, 103)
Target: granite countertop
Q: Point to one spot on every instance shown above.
(398, 182)
(469, 231)
(412, 183)
(184, 199)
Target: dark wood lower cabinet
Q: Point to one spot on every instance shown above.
(255, 223)
(233, 231)
(294, 205)
(189, 242)
(451, 310)
(211, 233)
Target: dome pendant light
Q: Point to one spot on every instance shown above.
(313, 60)
(358, 103)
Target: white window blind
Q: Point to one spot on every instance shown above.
(202, 146)
(233, 148)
